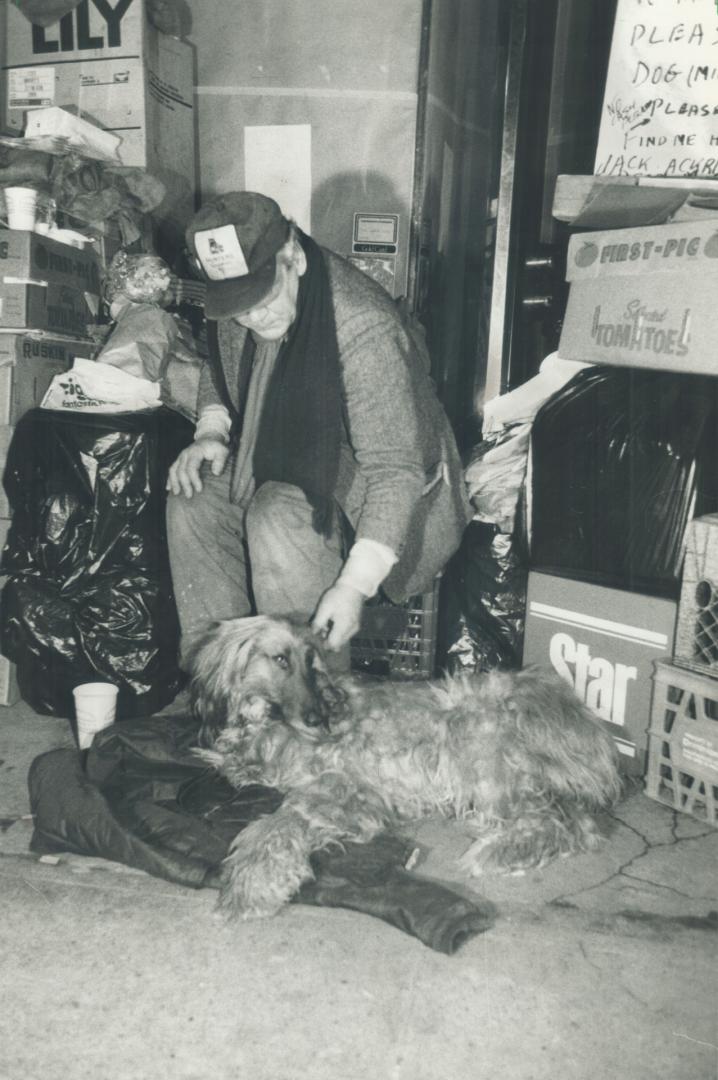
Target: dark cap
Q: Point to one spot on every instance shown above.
(233, 241)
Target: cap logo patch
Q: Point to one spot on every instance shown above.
(220, 253)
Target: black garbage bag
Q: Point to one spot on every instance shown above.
(483, 602)
(145, 801)
(622, 459)
(89, 593)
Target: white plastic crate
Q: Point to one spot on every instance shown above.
(683, 742)
(696, 645)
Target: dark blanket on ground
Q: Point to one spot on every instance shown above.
(144, 800)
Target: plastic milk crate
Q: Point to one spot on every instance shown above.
(683, 742)
(398, 640)
(696, 645)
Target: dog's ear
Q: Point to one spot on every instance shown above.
(217, 666)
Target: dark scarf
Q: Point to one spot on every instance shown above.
(299, 433)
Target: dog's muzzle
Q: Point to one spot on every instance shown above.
(330, 702)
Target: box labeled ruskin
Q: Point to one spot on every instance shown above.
(30, 256)
(54, 307)
(28, 365)
(37, 347)
(603, 643)
(644, 297)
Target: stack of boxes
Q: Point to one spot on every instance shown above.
(49, 295)
(109, 65)
(641, 298)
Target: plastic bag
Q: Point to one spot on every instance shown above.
(496, 474)
(481, 621)
(89, 387)
(622, 459)
(146, 341)
(89, 593)
(150, 344)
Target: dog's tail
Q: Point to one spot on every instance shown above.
(553, 739)
(532, 835)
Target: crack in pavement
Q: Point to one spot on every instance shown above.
(622, 871)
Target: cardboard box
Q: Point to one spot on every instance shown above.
(58, 308)
(107, 64)
(603, 642)
(27, 367)
(6, 433)
(644, 297)
(27, 255)
(19, 348)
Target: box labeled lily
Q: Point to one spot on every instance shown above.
(644, 297)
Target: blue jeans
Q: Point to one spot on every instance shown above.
(228, 561)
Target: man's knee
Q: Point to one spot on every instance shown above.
(275, 508)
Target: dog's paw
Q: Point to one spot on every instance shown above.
(262, 872)
(246, 893)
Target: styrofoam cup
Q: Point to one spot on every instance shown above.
(21, 207)
(95, 707)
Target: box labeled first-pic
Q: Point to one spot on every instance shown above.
(604, 643)
(644, 297)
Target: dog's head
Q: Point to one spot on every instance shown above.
(249, 671)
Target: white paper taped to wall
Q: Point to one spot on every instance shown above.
(278, 163)
(660, 108)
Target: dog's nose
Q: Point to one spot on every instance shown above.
(312, 718)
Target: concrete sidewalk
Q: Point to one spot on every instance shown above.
(600, 966)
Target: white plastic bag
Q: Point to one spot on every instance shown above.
(100, 388)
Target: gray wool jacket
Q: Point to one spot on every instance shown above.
(400, 476)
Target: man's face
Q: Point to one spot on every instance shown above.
(271, 319)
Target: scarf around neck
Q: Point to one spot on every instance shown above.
(299, 435)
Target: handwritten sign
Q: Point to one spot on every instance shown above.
(660, 108)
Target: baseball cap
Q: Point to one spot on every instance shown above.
(233, 241)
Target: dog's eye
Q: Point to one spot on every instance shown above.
(282, 660)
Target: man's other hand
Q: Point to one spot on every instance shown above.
(184, 475)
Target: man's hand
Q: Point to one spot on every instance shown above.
(338, 615)
(184, 475)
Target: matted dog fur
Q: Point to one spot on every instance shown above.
(514, 754)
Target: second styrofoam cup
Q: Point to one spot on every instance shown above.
(21, 207)
(95, 708)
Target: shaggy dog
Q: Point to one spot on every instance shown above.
(515, 754)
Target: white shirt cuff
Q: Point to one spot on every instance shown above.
(367, 565)
(214, 423)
